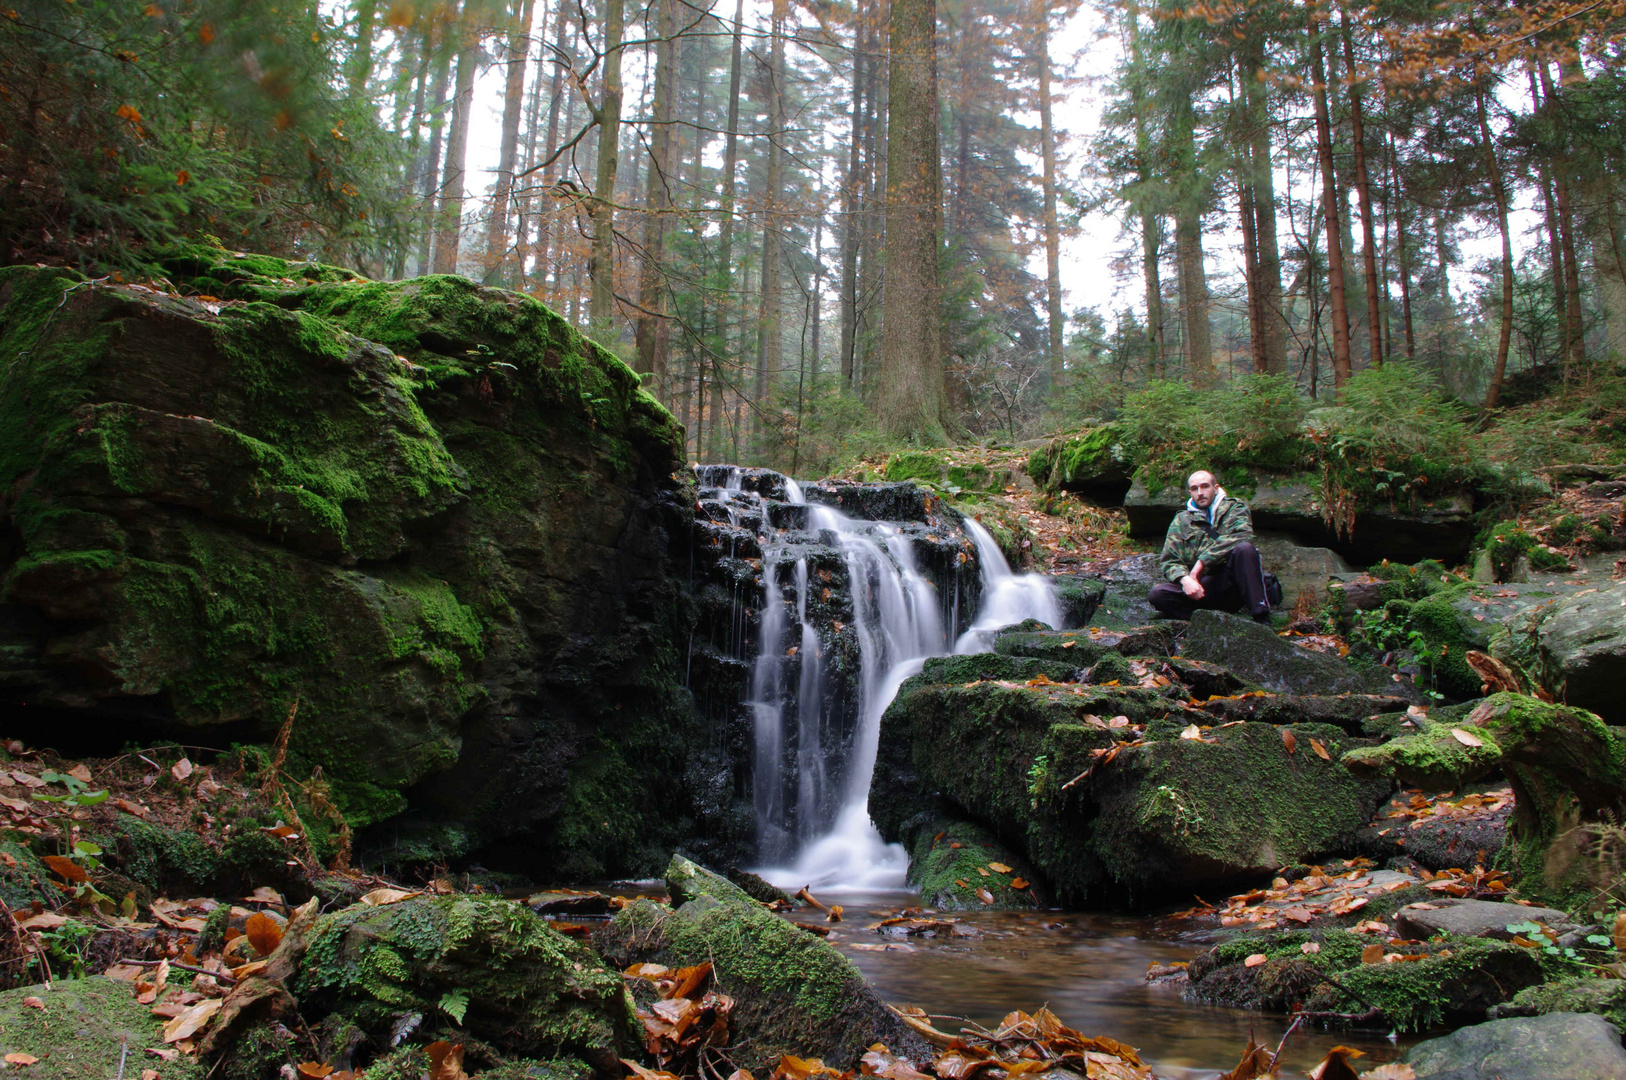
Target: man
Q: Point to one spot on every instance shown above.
(1208, 559)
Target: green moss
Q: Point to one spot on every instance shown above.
(1606, 997)
(974, 666)
(528, 988)
(953, 862)
(85, 1028)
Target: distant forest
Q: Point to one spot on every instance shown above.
(830, 227)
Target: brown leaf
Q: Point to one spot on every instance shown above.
(1289, 743)
(314, 1070)
(163, 1052)
(33, 1003)
(79, 772)
(446, 1061)
(984, 895)
(20, 1059)
(1336, 1066)
(262, 932)
(44, 920)
(1310, 948)
(1466, 738)
(1372, 954)
(1255, 960)
(999, 868)
(131, 808)
(149, 1074)
(1395, 1070)
(193, 1020)
(1320, 751)
(66, 867)
(181, 769)
(1192, 731)
(1019, 883)
(881, 1062)
(380, 897)
(1255, 1063)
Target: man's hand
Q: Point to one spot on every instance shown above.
(1192, 586)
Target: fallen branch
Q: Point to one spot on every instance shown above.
(219, 976)
(940, 1039)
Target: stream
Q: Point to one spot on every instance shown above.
(1089, 968)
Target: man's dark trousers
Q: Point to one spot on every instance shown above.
(1238, 585)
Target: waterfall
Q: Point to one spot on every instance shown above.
(898, 623)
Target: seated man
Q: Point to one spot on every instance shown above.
(1208, 557)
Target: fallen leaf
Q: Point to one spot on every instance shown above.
(79, 772)
(20, 1059)
(1310, 948)
(1288, 741)
(66, 867)
(314, 1070)
(985, 896)
(1192, 731)
(1466, 738)
(149, 1074)
(1255, 960)
(262, 932)
(190, 1022)
(1336, 1066)
(1372, 954)
(45, 920)
(163, 1052)
(1320, 751)
(181, 769)
(380, 897)
(33, 1003)
(264, 895)
(1019, 883)
(445, 1061)
(1395, 1070)
(131, 808)
(999, 868)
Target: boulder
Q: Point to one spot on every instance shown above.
(1582, 994)
(1578, 649)
(1302, 570)
(1255, 653)
(1125, 585)
(1453, 980)
(1088, 645)
(431, 513)
(520, 986)
(1426, 529)
(84, 1030)
(793, 993)
(1557, 1046)
(1473, 918)
(1027, 762)
(956, 866)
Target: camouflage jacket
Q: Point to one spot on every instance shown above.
(1191, 537)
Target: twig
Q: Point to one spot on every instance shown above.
(124, 1052)
(1354, 1018)
(218, 976)
(1297, 1020)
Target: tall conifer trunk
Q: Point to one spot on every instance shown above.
(1337, 299)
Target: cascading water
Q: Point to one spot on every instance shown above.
(814, 755)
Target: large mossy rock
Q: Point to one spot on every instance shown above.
(521, 986)
(1257, 654)
(1557, 1046)
(1577, 649)
(793, 993)
(1025, 761)
(429, 512)
(84, 1030)
(1403, 532)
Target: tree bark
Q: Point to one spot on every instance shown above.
(361, 56)
(499, 264)
(1402, 253)
(1499, 193)
(909, 390)
(1263, 177)
(1188, 243)
(725, 239)
(1150, 230)
(601, 265)
(1337, 299)
(851, 228)
(1052, 232)
(652, 329)
(1363, 192)
(430, 171)
(449, 227)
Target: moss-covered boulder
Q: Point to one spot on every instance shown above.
(1094, 462)
(83, 1029)
(1576, 648)
(793, 993)
(432, 514)
(958, 866)
(1051, 772)
(480, 967)
(1580, 994)
(1452, 979)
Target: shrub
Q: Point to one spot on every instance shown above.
(1253, 423)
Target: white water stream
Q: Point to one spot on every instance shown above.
(899, 626)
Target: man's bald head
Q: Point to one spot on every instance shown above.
(1201, 486)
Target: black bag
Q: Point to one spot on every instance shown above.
(1273, 589)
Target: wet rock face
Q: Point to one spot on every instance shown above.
(1256, 654)
(1579, 649)
(430, 513)
(1575, 1046)
(771, 561)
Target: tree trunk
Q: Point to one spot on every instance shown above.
(1363, 192)
(768, 310)
(1329, 195)
(601, 265)
(1150, 231)
(1188, 243)
(653, 330)
(499, 264)
(430, 172)
(1052, 232)
(544, 225)
(1575, 340)
(1402, 253)
(449, 227)
(725, 239)
(1263, 182)
(361, 56)
(1499, 193)
(851, 230)
(909, 390)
